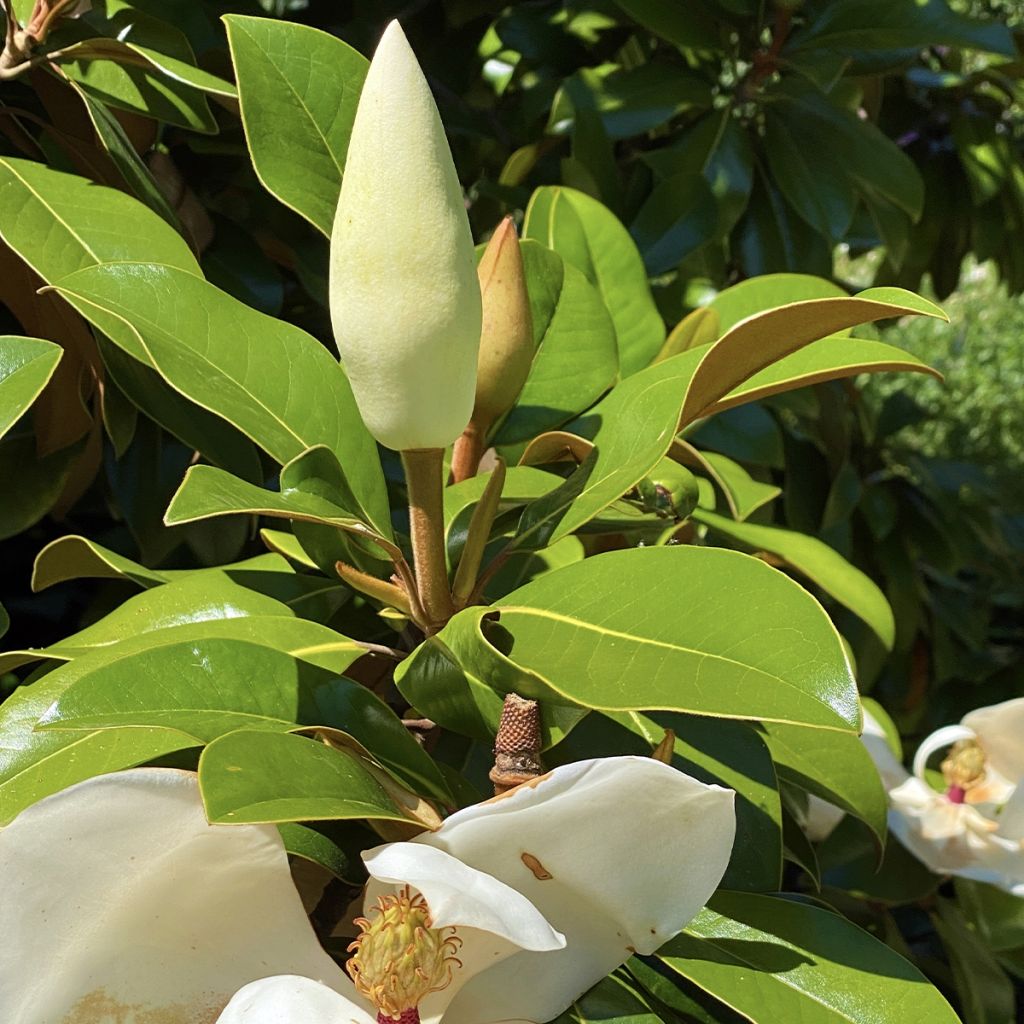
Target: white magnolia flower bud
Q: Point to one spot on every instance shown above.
(405, 301)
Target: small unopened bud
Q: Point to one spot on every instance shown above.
(506, 341)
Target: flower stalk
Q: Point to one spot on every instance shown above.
(423, 476)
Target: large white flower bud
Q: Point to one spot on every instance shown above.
(405, 300)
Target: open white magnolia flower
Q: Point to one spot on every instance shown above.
(121, 904)
(975, 827)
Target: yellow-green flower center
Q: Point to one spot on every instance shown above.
(964, 766)
(399, 957)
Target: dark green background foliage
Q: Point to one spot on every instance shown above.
(867, 142)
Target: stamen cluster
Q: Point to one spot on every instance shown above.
(399, 957)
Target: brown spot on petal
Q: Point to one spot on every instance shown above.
(100, 1008)
(540, 872)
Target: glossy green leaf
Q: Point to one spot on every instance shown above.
(833, 766)
(72, 557)
(250, 776)
(611, 1001)
(35, 763)
(769, 291)
(997, 916)
(817, 561)
(318, 847)
(273, 381)
(560, 639)
(774, 959)
(827, 359)
(298, 89)
(119, 148)
(197, 598)
(206, 492)
(372, 723)
(764, 339)
(743, 494)
(196, 428)
(143, 81)
(676, 219)
(59, 223)
(205, 688)
(633, 428)
(590, 237)
(40, 481)
(575, 360)
(986, 994)
(864, 25)
(26, 365)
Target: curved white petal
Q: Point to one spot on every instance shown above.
(939, 740)
(289, 999)
(889, 766)
(820, 819)
(121, 902)
(954, 838)
(618, 854)
(459, 895)
(999, 729)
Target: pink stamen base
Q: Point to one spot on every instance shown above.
(407, 1017)
(956, 794)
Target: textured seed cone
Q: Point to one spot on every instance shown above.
(405, 301)
(506, 342)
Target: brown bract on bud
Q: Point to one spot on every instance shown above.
(506, 341)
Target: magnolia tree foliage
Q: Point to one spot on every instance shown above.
(499, 695)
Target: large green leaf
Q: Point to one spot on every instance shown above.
(575, 360)
(199, 597)
(590, 237)
(202, 687)
(857, 26)
(766, 338)
(827, 359)
(817, 561)
(35, 763)
(249, 776)
(833, 766)
(59, 223)
(26, 365)
(677, 218)
(774, 959)
(633, 428)
(611, 1001)
(298, 89)
(39, 481)
(207, 492)
(273, 381)
(692, 636)
(768, 291)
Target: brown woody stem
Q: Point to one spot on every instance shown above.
(423, 477)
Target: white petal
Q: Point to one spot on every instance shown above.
(939, 740)
(820, 819)
(619, 854)
(459, 895)
(289, 999)
(999, 729)
(889, 767)
(953, 838)
(140, 910)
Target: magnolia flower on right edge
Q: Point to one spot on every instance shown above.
(975, 828)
